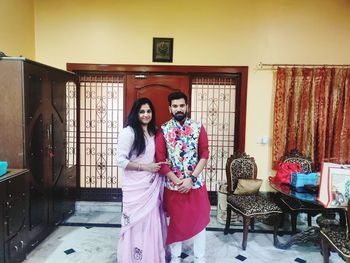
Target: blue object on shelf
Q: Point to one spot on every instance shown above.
(3, 167)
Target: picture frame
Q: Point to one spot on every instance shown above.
(334, 189)
(163, 49)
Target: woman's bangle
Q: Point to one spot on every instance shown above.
(139, 167)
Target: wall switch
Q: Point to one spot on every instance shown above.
(265, 139)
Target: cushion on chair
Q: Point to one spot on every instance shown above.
(250, 205)
(248, 186)
(336, 235)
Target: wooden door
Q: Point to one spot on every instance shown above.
(57, 144)
(156, 88)
(36, 141)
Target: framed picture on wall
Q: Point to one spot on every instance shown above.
(163, 49)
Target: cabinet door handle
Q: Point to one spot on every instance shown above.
(48, 133)
(49, 146)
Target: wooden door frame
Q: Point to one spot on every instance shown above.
(242, 71)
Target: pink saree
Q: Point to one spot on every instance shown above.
(142, 237)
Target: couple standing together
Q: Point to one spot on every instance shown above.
(178, 151)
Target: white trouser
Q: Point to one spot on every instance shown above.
(198, 246)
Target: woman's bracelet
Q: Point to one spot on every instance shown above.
(139, 167)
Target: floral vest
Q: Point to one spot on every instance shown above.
(182, 149)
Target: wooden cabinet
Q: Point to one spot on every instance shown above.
(14, 215)
(33, 117)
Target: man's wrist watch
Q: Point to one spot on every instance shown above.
(193, 178)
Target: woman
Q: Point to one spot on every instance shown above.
(142, 237)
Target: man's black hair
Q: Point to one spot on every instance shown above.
(175, 96)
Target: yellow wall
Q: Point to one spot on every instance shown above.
(17, 28)
(220, 32)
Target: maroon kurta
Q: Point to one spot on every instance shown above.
(189, 213)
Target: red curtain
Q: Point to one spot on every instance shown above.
(312, 114)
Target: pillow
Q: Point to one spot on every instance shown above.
(247, 186)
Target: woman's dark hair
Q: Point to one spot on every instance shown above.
(176, 95)
(139, 144)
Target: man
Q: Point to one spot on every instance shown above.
(184, 143)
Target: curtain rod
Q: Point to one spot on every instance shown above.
(261, 65)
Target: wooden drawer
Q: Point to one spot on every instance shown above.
(16, 187)
(15, 217)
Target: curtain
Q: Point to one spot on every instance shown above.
(312, 114)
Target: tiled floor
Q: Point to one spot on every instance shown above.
(91, 235)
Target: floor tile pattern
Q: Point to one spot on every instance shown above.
(91, 235)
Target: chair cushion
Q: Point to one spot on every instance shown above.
(248, 186)
(336, 235)
(250, 205)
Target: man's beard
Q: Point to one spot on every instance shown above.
(179, 116)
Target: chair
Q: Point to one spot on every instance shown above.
(248, 205)
(336, 238)
(292, 205)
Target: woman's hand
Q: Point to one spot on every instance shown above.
(185, 186)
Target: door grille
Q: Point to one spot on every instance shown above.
(101, 119)
(213, 103)
(71, 124)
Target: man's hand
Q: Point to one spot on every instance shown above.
(185, 186)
